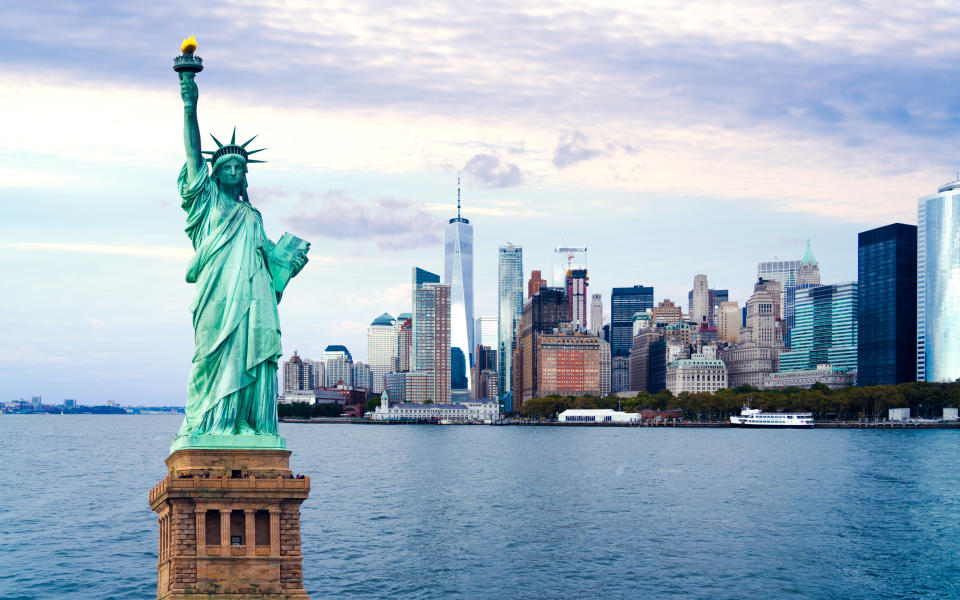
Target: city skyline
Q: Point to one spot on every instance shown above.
(365, 147)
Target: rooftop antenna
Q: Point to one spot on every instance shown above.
(458, 195)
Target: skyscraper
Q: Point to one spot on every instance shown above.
(338, 366)
(700, 304)
(381, 349)
(728, 322)
(826, 329)
(458, 274)
(596, 313)
(792, 275)
(576, 284)
(624, 302)
(536, 282)
(541, 315)
(509, 310)
(761, 339)
(938, 285)
(567, 258)
(431, 355)
(485, 333)
(887, 305)
(297, 374)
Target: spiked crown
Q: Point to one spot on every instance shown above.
(232, 149)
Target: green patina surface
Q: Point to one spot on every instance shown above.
(240, 276)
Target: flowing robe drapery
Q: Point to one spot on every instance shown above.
(233, 380)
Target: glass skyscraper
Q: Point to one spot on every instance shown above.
(826, 329)
(938, 285)
(509, 311)
(624, 302)
(887, 306)
(458, 274)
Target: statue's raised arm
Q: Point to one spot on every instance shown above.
(191, 128)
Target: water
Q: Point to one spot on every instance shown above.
(515, 512)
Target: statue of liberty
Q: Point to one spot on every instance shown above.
(239, 276)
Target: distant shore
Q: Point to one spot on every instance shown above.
(824, 425)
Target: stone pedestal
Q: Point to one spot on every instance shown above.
(229, 526)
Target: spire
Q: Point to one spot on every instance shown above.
(458, 196)
(808, 258)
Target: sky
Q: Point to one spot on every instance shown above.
(669, 138)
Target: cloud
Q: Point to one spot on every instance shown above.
(171, 252)
(572, 148)
(391, 223)
(490, 172)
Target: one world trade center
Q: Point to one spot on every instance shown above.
(458, 274)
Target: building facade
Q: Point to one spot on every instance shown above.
(666, 313)
(570, 364)
(458, 274)
(577, 282)
(596, 314)
(729, 321)
(886, 305)
(535, 282)
(382, 349)
(431, 344)
(337, 366)
(826, 328)
(485, 332)
(832, 377)
(700, 300)
(792, 275)
(697, 374)
(938, 285)
(363, 376)
(542, 313)
(624, 303)
(297, 374)
(761, 340)
(509, 310)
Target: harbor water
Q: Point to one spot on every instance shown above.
(422, 511)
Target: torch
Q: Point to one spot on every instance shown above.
(188, 62)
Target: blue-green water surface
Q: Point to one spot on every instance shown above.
(514, 512)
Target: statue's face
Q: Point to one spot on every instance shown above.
(231, 172)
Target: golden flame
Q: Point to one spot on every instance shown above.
(189, 44)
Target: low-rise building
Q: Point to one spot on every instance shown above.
(696, 374)
(473, 411)
(832, 377)
(597, 415)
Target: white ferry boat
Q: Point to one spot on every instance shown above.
(753, 417)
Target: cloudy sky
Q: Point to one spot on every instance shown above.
(670, 138)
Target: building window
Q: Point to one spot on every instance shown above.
(262, 527)
(237, 527)
(212, 527)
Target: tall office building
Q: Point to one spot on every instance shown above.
(761, 339)
(938, 285)
(542, 313)
(666, 313)
(297, 374)
(887, 305)
(484, 372)
(381, 349)
(567, 258)
(826, 329)
(404, 342)
(509, 311)
(714, 299)
(570, 363)
(700, 300)
(792, 275)
(596, 314)
(576, 285)
(729, 321)
(535, 283)
(362, 376)
(458, 274)
(624, 302)
(338, 366)
(485, 333)
(431, 356)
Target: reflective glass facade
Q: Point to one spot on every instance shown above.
(509, 311)
(458, 274)
(826, 329)
(938, 285)
(624, 302)
(887, 305)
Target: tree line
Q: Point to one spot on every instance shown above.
(924, 399)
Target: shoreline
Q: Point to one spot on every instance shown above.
(726, 425)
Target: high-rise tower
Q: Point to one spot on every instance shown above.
(887, 305)
(381, 349)
(458, 274)
(938, 285)
(700, 306)
(509, 310)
